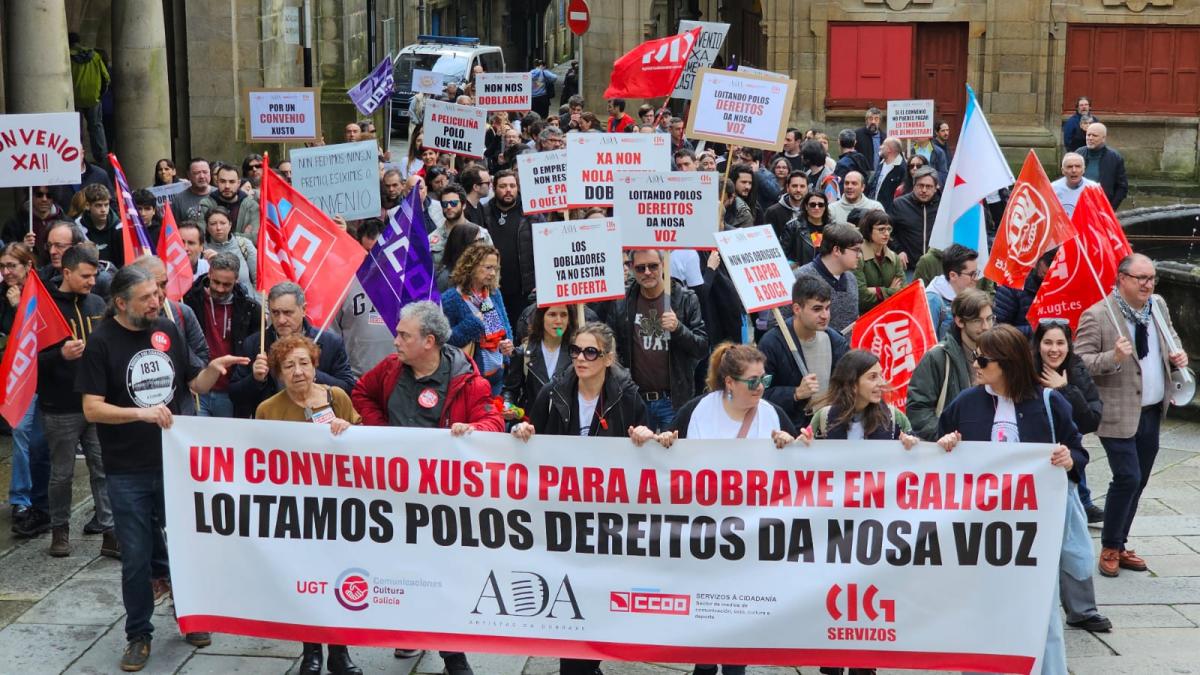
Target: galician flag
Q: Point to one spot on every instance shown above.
(978, 169)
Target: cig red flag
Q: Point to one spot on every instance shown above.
(652, 69)
(1070, 287)
(175, 257)
(899, 331)
(1033, 223)
(133, 233)
(38, 324)
(304, 243)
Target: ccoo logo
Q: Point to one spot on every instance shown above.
(353, 589)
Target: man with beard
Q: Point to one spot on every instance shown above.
(243, 208)
(454, 201)
(512, 234)
(393, 189)
(134, 375)
(787, 216)
(870, 136)
(228, 315)
(477, 181)
(186, 204)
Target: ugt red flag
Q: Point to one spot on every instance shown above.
(899, 331)
(298, 241)
(39, 324)
(175, 257)
(1033, 223)
(1070, 286)
(652, 68)
(1100, 233)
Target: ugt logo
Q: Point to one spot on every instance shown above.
(867, 604)
(526, 594)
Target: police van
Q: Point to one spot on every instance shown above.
(452, 57)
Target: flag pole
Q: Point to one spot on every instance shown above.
(262, 216)
(787, 337)
(30, 209)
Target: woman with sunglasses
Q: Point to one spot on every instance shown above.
(880, 273)
(1008, 406)
(906, 186)
(853, 407)
(806, 240)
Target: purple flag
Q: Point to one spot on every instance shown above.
(399, 267)
(375, 88)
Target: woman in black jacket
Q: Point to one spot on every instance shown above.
(540, 357)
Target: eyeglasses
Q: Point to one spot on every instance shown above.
(974, 274)
(43, 195)
(815, 205)
(989, 320)
(256, 166)
(915, 165)
(485, 182)
(753, 383)
(1144, 279)
(451, 203)
(855, 249)
(883, 228)
(983, 361)
(10, 266)
(588, 353)
(646, 268)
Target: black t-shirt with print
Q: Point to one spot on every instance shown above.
(135, 369)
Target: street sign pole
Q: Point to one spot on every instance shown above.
(579, 19)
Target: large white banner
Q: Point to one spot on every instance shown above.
(40, 149)
(592, 158)
(860, 554)
(666, 209)
(341, 179)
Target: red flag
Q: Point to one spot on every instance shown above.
(652, 68)
(299, 242)
(175, 257)
(899, 331)
(1033, 223)
(1070, 286)
(39, 324)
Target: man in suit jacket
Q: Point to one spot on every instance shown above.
(870, 136)
(889, 173)
(1104, 165)
(1120, 343)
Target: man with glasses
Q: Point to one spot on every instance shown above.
(841, 247)
(45, 211)
(853, 198)
(1121, 342)
(946, 369)
(913, 216)
(660, 337)
(818, 349)
(453, 202)
(960, 271)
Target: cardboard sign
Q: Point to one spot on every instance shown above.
(456, 129)
(712, 36)
(39, 149)
(543, 177)
(668, 210)
(428, 82)
(163, 193)
(910, 119)
(740, 108)
(578, 261)
(341, 179)
(282, 115)
(504, 91)
(765, 73)
(757, 266)
(592, 158)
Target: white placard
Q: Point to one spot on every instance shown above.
(163, 193)
(40, 149)
(712, 35)
(456, 129)
(543, 177)
(739, 108)
(757, 266)
(428, 82)
(504, 91)
(910, 119)
(282, 115)
(578, 261)
(592, 158)
(341, 179)
(291, 25)
(765, 73)
(666, 210)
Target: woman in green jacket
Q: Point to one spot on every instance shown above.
(880, 273)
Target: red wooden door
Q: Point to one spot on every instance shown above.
(941, 70)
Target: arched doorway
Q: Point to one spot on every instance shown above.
(746, 42)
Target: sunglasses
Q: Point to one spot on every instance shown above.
(256, 166)
(984, 361)
(816, 205)
(43, 195)
(588, 353)
(646, 268)
(753, 383)
(451, 203)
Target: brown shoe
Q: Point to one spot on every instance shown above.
(109, 546)
(162, 588)
(1131, 561)
(60, 541)
(1110, 562)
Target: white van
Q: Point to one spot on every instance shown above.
(452, 57)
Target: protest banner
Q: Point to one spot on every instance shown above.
(741, 108)
(666, 209)
(39, 149)
(428, 82)
(543, 180)
(756, 263)
(592, 158)
(578, 261)
(456, 129)
(163, 193)
(713, 552)
(910, 119)
(277, 115)
(341, 179)
(504, 91)
(712, 36)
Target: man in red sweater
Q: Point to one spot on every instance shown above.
(618, 120)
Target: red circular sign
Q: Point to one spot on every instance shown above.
(579, 17)
(428, 398)
(160, 341)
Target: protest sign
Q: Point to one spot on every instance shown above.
(592, 158)
(341, 179)
(714, 552)
(163, 193)
(756, 263)
(456, 129)
(275, 115)
(504, 91)
(666, 209)
(39, 149)
(712, 35)
(741, 108)
(543, 180)
(910, 119)
(765, 73)
(428, 82)
(578, 261)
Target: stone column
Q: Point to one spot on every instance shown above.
(39, 63)
(143, 114)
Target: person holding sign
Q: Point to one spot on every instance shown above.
(475, 309)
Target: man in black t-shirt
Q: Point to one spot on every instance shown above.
(134, 375)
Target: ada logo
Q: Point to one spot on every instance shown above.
(1028, 225)
(353, 589)
(523, 593)
(649, 602)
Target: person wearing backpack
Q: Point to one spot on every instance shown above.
(945, 370)
(90, 79)
(853, 407)
(543, 87)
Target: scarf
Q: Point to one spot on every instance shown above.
(1140, 319)
(490, 359)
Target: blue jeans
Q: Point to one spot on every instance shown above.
(660, 414)
(30, 483)
(139, 516)
(1131, 460)
(93, 118)
(1085, 493)
(216, 404)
